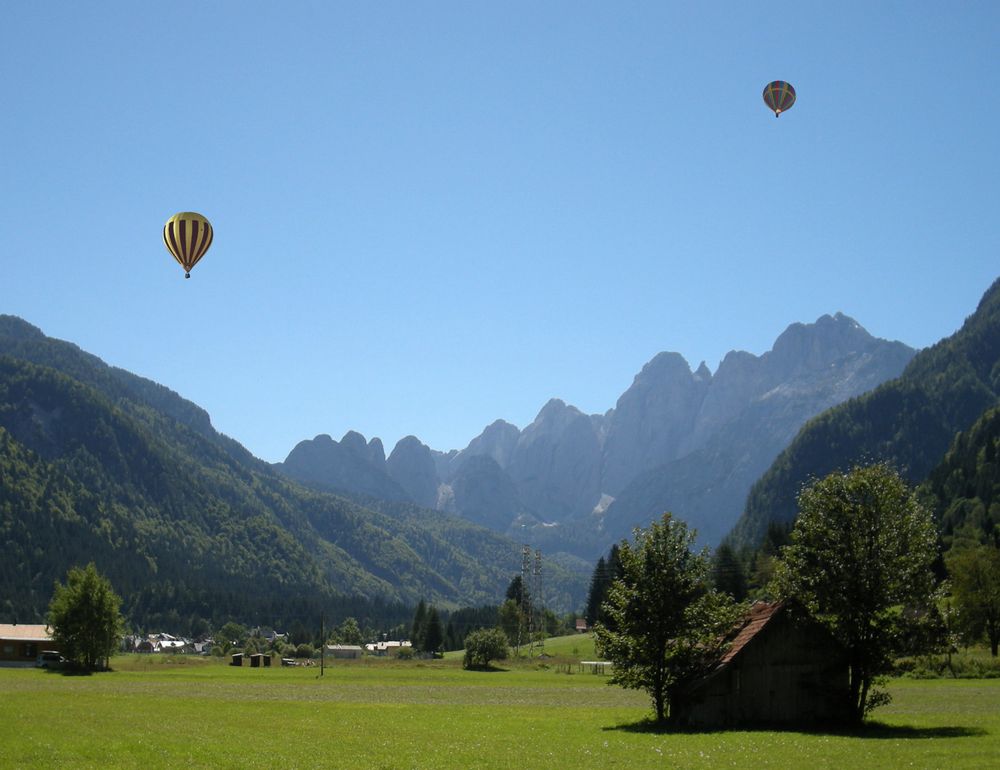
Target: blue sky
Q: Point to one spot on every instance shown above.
(429, 215)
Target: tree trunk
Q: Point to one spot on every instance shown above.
(660, 695)
(859, 692)
(859, 715)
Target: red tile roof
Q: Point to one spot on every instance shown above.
(758, 617)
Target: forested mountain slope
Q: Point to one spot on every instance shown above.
(98, 464)
(909, 421)
(964, 490)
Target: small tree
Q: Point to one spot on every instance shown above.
(85, 618)
(511, 622)
(600, 581)
(231, 636)
(484, 645)
(975, 577)
(860, 562)
(727, 572)
(349, 632)
(419, 626)
(663, 625)
(433, 632)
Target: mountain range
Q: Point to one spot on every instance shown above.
(99, 464)
(691, 442)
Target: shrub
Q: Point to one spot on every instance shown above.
(483, 646)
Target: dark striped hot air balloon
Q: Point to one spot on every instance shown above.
(187, 236)
(779, 96)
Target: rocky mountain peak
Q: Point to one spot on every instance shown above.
(555, 416)
(411, 465)
(498, 440)
(355, 443)
(811, 346)
(663, 368)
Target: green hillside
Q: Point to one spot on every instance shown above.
(98, 464)
(909, 421)
(964, 490)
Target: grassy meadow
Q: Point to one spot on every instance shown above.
(187, 712)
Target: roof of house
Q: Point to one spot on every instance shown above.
(761, 613)
(384, 646)
(25, 633)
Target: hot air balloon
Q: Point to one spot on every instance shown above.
(779, 96)
(187, 236)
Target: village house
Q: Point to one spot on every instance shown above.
(782, 667)
(344, 651)
(21, 644)
(386, 649)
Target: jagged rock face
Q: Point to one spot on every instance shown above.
(689, 442)
(443, 462)
(556, 463)
(351, 465)
(498, 440)
(751, 410)
(484, 494)
(412, 467)
(652, 419)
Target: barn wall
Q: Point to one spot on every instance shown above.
(789, 673)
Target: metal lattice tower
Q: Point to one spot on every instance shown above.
(526, 591)
(536, 590)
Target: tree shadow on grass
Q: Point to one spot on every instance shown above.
(66, 671)
(868, 731)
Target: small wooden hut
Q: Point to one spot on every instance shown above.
(781, 667)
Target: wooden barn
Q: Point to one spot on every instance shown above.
(781, 667)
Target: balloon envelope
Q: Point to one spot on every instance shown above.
(779, 96)
(187, 236)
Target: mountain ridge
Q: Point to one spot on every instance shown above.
(567, 467)
(908, 421)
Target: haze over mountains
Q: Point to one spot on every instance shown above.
(692, 442)
(97, 464)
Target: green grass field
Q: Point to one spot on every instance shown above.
(150, 712)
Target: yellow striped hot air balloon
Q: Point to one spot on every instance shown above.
(187, 236)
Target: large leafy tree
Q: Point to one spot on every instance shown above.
(664, 623)
(484, 645)
(85, 617)
(975, 578)
(860, 561)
